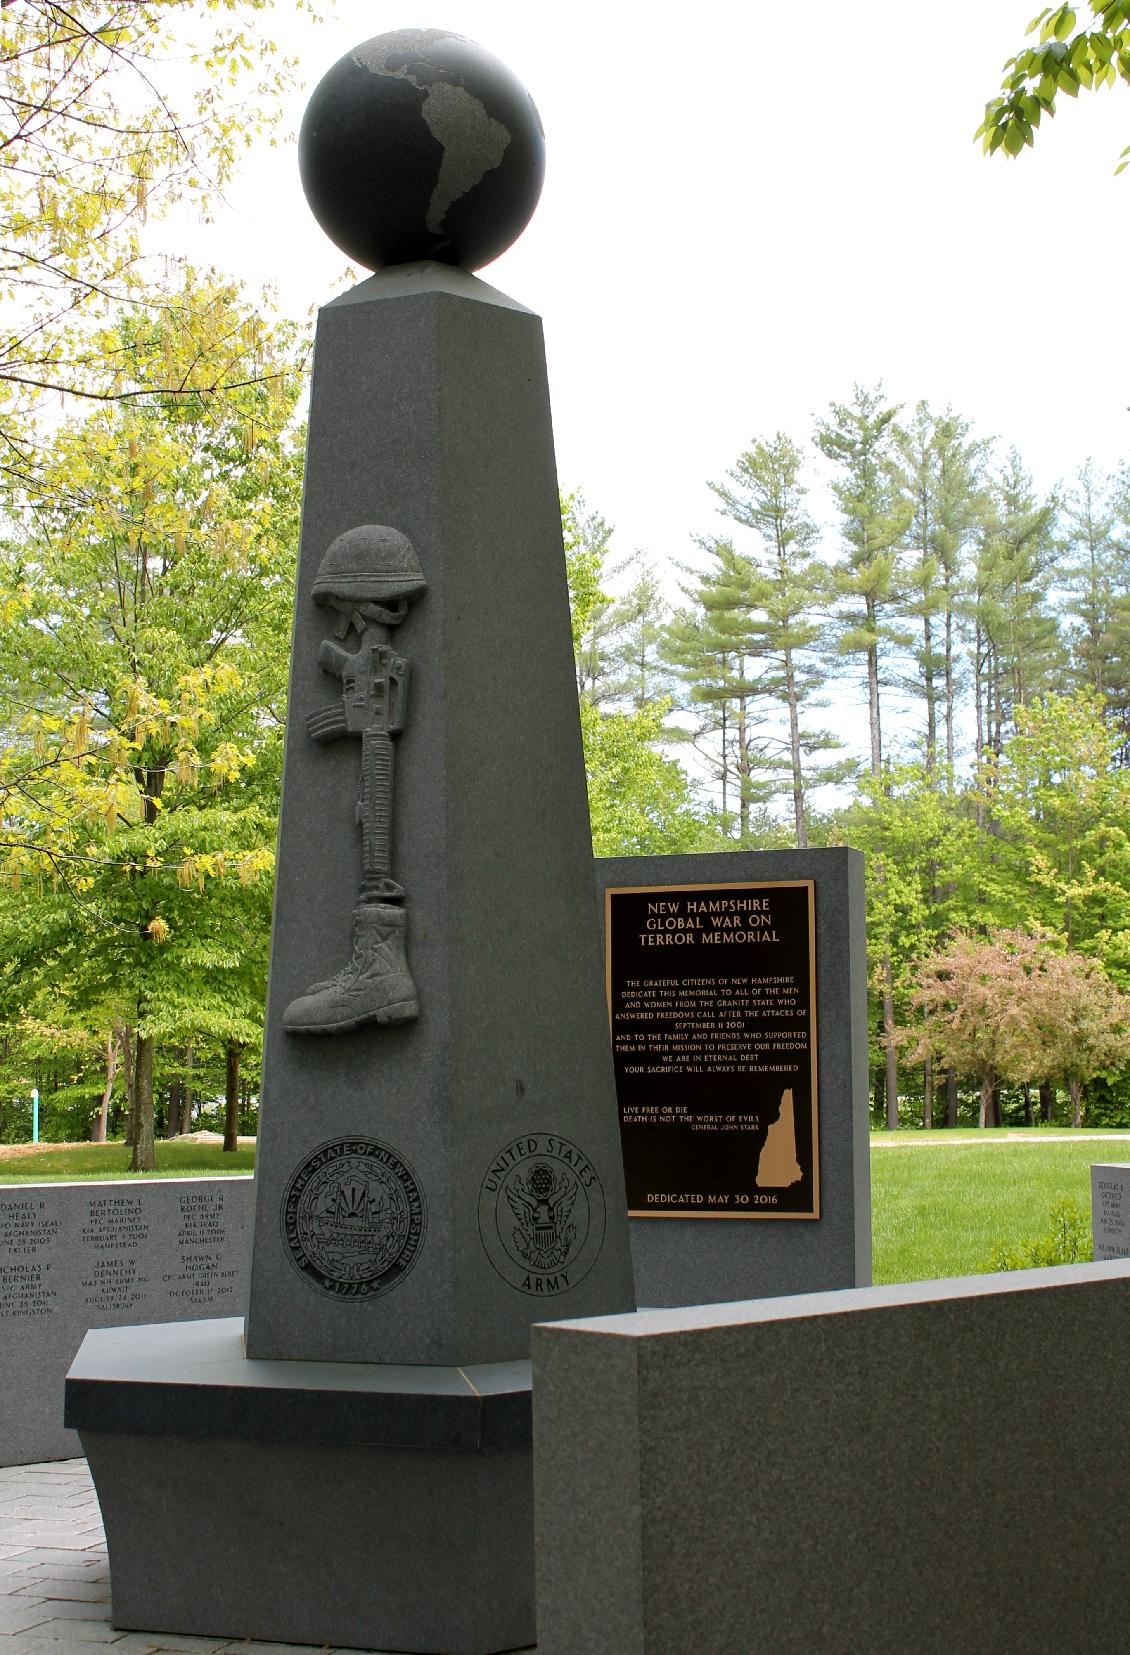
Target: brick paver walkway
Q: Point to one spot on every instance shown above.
(55, 1580)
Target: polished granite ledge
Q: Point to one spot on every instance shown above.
(192, 1379)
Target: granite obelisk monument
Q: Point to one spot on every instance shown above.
(439, 1160)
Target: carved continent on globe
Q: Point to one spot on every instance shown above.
(419, 144)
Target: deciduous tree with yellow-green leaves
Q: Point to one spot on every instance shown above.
(145, 597)
(1065, 58)
(109, 113)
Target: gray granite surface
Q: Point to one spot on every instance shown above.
(106, 1254)
(822, 1473)
(192, 1379)
(412, 1485)
(686, 1261)
(55, 1577)
(429, 412)
(1110, 1209)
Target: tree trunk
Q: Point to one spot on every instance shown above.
(979, 730)
(988, 1088)
(1075, 1087)
(795, 753)
(892, 1065)
(101, 1120)
(129, 1064)
(1027, 1090)
(928, 1094)
(1047, 1101)
(951, 1097)
(172, 1125)
(949, 685)
(144, 1158)
(186, 1093)
(931, 695)
(231, 1099)
(743, 772)
(873, 700)
(996, 718)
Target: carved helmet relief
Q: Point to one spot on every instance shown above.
(369, 575)
(370, 565)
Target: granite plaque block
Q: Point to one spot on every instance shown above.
(744, 1465)
(712, 1002)
(105, 1254)
(737, 999)
(1110, 1209)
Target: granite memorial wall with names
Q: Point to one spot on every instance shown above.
(105, 1254)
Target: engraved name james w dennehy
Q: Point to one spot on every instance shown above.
(369, 576)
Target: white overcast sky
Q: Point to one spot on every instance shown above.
(750, 206)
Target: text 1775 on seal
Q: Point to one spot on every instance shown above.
(353, 1218)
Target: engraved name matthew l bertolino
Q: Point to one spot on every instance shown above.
(354, 1218)
(368, 577)
(542, 1214)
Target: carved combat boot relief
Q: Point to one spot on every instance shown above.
(369, 576)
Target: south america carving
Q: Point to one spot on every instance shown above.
(369, 576)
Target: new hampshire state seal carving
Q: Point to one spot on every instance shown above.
(542, 1214)
(353, 1218)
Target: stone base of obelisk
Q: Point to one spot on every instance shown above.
(365, 1506)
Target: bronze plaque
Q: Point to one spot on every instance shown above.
(712, 1005)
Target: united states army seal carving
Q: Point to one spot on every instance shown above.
(353, 1218)
(542, 1214)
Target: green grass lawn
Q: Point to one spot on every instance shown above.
(940, 1201)
(939, 1205)
(58, 1163)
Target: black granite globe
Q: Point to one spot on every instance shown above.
(420, 145)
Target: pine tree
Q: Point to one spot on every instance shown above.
(586, 535)
(859, 439)
(789, 595)
(1091, 571)
(637, 624)
(943, 468)
(640, 801)
(714, 649)
(1017, 651)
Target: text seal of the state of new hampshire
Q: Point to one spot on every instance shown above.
(542, 1214)
(353, 1218)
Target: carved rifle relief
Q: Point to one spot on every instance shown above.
(369, 575)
